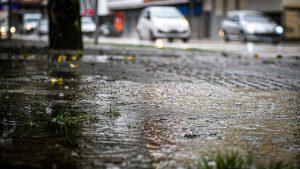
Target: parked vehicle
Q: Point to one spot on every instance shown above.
(31, 22)
(4, 28)
(43, 28)
(88, 26)
(108, 29)
(250, 26)
(163, 22)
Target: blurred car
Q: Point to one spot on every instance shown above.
(250, 26)
(108, 29)
(163, 22)
(88, 26)
(31, 22)
(43, 28)
(4, 29)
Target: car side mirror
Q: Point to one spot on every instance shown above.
(148, 17)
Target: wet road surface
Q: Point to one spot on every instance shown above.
(173, 108)
(249, 48)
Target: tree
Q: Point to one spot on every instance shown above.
(64, 24)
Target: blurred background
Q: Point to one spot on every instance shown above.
(119, 18)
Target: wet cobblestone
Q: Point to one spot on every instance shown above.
(175, 107)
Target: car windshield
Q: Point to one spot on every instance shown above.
(31, 20)
(167, 13)
(87, 20)
(256, 18)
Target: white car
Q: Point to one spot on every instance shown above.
(163, 22)
(250, 26)
(88, 26)
(31, 22)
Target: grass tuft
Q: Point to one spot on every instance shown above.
(234, 160)
(113, 112)
(66, 117)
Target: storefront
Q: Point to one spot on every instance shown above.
(291, 19)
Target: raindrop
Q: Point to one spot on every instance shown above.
(74, 154)
(28, 109)
(238, 104)
(61, 95)
(140, 157)
(49, 109)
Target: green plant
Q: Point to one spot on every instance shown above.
(30, 122)
(234, 160)
(113, 112)
(276, 165)
(66, 117)
(130, 126)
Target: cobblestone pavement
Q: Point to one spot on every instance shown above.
(235, 71)
(228, 70)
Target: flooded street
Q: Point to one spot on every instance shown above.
(146, 108)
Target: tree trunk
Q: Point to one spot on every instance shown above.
(64, 24)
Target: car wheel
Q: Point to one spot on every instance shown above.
(105, 32)
(185, 40)
(226, 37)
(242, 37)
(152, 38)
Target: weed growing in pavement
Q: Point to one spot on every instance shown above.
(113, 112)
(66, 117)
(130, 126)
(234, 160)
(30, 122)
(230, 160)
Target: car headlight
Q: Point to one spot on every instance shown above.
(279, 29)
(12, 29)
(250, 28)
(28, 27)
(184, 23)
(2, 29)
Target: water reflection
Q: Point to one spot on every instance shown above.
(30, 138)
(159, 43)
(43, 91)
(250, 47)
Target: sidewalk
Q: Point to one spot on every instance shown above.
(248, 49)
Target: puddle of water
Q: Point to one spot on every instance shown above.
(107, 58)
(31, 137)
(98, 58)
(161, 124)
